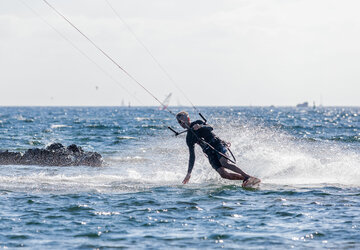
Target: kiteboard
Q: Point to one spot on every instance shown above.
(252, 182)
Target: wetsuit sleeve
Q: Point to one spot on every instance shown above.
(207, 127)
(191, 158)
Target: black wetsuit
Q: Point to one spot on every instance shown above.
(205, 133)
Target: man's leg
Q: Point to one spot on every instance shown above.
(230, 176)
(227, 164)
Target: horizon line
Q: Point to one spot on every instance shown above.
(183, 106)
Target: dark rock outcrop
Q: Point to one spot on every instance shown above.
(54, 155)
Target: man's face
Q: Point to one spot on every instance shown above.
(184, 122)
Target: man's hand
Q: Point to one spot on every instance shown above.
(196, 126)
(187, 178)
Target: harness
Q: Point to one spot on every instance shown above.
(207, 146)
(223, 143)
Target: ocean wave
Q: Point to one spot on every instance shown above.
(56, 126)
(347, 139)
(125, 137)
(152, 127)
(21, 118)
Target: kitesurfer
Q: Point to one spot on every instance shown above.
(201, 133)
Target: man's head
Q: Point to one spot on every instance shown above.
(183, 119)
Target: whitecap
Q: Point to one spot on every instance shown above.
(55, 126)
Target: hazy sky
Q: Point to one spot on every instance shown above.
(229, 52)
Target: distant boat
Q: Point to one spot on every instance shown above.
(166, 102)
(303, 105)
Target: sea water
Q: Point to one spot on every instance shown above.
(308, 160)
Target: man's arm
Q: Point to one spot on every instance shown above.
(191, 163)
(191, 159)
(203, 126)
(207, 127)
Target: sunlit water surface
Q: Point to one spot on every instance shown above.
(308, 160)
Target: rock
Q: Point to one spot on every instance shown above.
(53, 155)
(55, 146)
(7, 157)
(75, 149)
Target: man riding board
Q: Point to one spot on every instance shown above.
(199, 132)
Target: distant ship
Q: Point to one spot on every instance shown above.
(303, 105)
